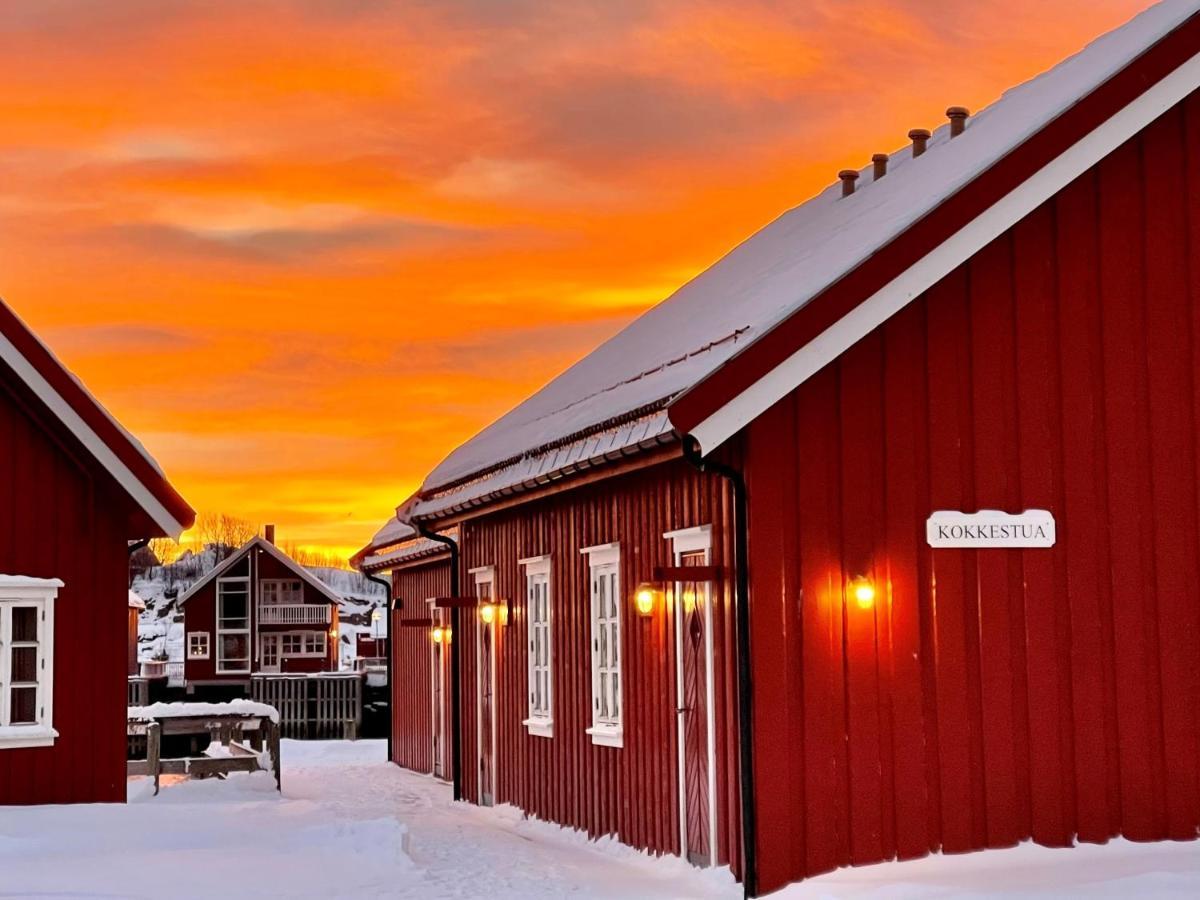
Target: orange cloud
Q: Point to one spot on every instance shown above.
(304, 247)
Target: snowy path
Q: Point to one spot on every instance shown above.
(349, 825)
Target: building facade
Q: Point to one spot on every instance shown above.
(929, 443)
(75, 490)
(258, 612)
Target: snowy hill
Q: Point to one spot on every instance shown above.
(160, 629)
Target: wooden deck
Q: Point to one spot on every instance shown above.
(231, 731)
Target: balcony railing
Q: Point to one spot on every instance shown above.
(293, 614)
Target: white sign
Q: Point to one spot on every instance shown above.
(990, 528)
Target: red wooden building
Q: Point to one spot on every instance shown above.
(259, 611)
(421, 636)
(929, 442)
(75, 489)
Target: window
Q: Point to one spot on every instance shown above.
(537, 606)
(282, 591)
(233, 626)
(27, 661)
(303, 643)
(604, 569)
(197, 645)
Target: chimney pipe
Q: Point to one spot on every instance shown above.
(879, 161)
(958, 119)
(269, 533)
(919, 138)
(848, 176)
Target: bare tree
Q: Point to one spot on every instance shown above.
(165, 550)
(224, 533)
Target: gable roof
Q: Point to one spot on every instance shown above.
(242, 552)
(114, 448)
(726, 335)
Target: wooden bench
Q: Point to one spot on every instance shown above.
(228, 730)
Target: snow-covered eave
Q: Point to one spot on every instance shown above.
(450, 507)
(381, 562)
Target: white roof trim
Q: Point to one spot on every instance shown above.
(600, 548)
(26, 581)
(534, 560)
(95, 445)
(316, 583)
(906, 287)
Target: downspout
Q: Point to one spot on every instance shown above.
(387, 636)
(455, 640)
(691, 452)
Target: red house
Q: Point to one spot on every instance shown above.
(75, 490)
(259, 611)
(421, 636)
(881, 537)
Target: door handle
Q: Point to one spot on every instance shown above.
(683, 709)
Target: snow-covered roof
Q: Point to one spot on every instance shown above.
(694, 332)
(382, 556)
(263, 544)
(136, 602)
(116, 450)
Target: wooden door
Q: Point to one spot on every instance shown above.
(269, 653)
(487, 720)
(693, 621)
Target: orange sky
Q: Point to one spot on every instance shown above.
(304, 248)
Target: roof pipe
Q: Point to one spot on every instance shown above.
(455, 666)
(387, 636)
(741, 544)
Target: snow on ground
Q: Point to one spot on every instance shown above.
(348, 824)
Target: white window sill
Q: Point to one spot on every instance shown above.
(21, 736)
(607, 736)
(540, 727)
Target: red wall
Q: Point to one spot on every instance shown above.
(631, 791)
(996, 695)
(200, 612)
(412, 679)
(62, 518)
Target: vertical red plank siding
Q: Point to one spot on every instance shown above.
(994, 696)
(60, 519)
(412, 665)
(632, 791)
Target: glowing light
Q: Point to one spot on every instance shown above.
(439, 634)
(863, 592)
(645, 598)
(487, 613)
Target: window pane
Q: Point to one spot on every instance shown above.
(24, 706)
(24, 623)
(24, 664)
(235, 647)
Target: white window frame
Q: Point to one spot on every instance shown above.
(604, 563)
(39, 593)
(192, 637)
(303, 637)
(221, 632)
(275, 587)
(537, 572)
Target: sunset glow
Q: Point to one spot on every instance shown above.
(303, 249)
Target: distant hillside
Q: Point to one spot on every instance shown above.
(161, 627)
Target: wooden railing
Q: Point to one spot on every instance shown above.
(154, 668)
(174, 674)
(293, 614)
(322, 705)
